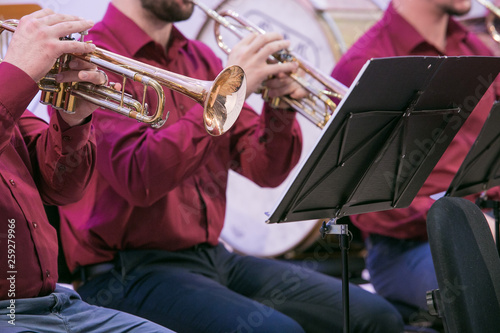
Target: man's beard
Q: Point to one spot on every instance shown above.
(167, 10)
(455, 12)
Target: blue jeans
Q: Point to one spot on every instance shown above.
(212, 290)
(64, 311)
(401, 270)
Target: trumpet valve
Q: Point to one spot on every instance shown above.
(275, 102)
(283, 56)
(83, 34)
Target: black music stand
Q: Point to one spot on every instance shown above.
(388, 133)
(480, 169)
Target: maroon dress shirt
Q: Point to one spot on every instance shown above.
(394, 36)
(38, 164)
(165, 188)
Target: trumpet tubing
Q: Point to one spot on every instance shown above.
(494, 12)
(222, 99)
(319, 106)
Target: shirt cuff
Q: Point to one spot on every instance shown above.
(18, 89)
(70, 138)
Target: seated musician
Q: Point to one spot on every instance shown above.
(38, 167)
(399, 259)
(149, 227)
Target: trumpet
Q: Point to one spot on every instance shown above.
(318, 107)
(222, 98)
(494, 12)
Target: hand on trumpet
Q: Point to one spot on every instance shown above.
(252, 54)
(283, 85)
(82, 71)
(36, 45)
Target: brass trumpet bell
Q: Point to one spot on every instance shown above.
(226, 93)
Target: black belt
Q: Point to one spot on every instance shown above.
(87, 273)
(376, 238)
(198, 247)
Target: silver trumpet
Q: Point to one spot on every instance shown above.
(222, 98)
(319, 106)
(494, 12)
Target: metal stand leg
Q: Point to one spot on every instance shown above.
(341, 229)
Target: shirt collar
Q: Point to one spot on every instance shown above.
(132, 37)
(456, 31)
(407, 39)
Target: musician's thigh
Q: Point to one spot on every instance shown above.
(188, 301)
(402, 271)
(311, 298)
(278, 281)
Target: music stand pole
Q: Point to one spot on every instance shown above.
(343, 231)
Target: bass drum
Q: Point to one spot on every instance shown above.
(317, 40)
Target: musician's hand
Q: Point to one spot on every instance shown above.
(252, 54)
(284, 85)
(36, 44)
(81, 71)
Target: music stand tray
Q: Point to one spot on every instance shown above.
(386, 136)
(480, 169)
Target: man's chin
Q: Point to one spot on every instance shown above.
(460, 9)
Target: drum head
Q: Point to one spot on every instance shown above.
(313, 39)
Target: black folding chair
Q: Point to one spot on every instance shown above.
(467, 267)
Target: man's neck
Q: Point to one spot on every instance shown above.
(157, 29)
(427, 19)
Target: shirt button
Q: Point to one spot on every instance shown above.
(62, 168)
(55, 127)
(66, 138)
(12, 182)
(35, 225)
(181, 107)
(47, 273)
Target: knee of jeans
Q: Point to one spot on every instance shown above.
(383, 318)
(256, 322)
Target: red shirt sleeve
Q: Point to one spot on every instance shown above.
(17, 91)
(65, 157)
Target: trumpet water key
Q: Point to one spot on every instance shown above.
(222, 98)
